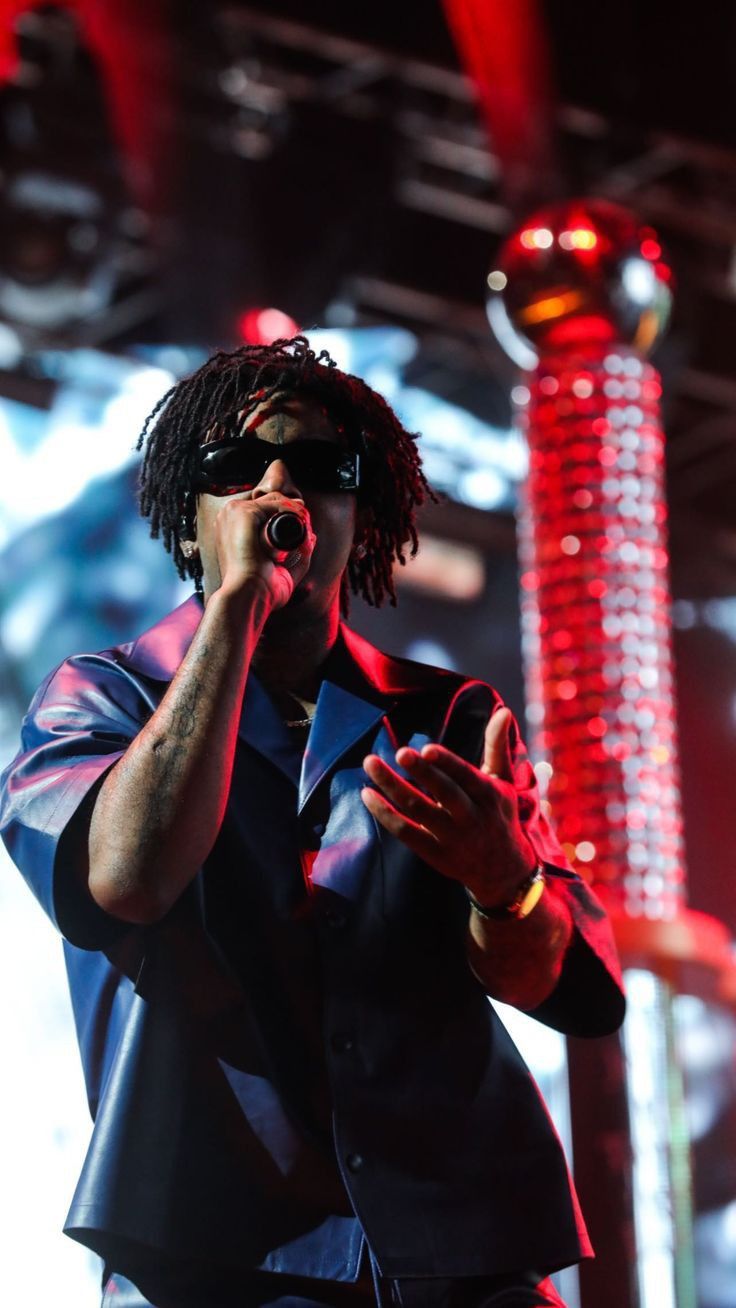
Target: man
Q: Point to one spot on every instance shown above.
(289, 869)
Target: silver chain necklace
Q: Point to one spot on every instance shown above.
(305, 721)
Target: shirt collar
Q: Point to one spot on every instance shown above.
(360, 684)
(354, 664)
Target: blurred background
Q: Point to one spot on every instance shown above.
(179, 176)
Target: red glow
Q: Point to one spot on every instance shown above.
(576, 330)
(651, 249)
(504, 49)
(264, 326)
(561, 639)
(566, 689)
(606, 705)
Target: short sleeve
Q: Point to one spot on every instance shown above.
(79, 724)
(588, 999)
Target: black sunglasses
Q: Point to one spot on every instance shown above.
(229, 466)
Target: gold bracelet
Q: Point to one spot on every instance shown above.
(525, 900)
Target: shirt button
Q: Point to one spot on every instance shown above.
(342, 1043)
(354, 1162)
(335, 918)
(319, 828)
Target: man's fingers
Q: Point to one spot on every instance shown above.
(496, 746)
(415, 837)
(421, 808)
(438, 784)
(466, 777)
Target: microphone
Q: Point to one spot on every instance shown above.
(285, 531)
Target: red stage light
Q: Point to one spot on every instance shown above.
(264, 326)
(576, 276)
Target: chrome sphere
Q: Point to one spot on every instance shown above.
(582, 273)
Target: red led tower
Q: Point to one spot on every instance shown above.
(596, 623)
(589, 291)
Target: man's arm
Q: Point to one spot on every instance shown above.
(159, 810)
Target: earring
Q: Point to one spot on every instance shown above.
(359, 551)
(185, 527)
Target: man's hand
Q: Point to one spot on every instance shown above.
(243, 555)
(461, 820)
(464, 821)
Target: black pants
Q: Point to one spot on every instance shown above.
(262, 1290)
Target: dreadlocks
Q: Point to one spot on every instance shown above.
(394, 484)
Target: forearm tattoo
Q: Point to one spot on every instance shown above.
(169, 757)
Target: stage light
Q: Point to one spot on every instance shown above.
(578, 238)
(536, 238)
(650, 246)
(496, 280)
(578, 275)
(483, 488)
(264, 326)
(639, 280)
(56, 253)
(570, 545)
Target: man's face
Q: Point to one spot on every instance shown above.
(281, 421)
